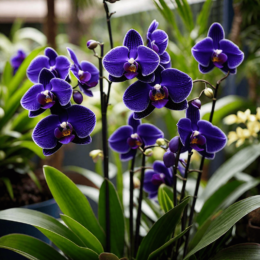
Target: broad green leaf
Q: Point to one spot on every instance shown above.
(7, 74)
(159, 232)
(86, 237)
(39, 220)
(21, 72)
(248, 251)
(163, 198)
(226, 171)
(90, 192)
(29, 247)
(117, 225)
(225, 221)
(155, 253)
(224, 106)
(92, 176)
(215, 200)
(8, 186)
(31, 34)
(108, 256)
(72, 202)
(119, 176)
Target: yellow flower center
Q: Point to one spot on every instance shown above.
(66, 132)
(159, 96)
(48, 99)
(132, 68)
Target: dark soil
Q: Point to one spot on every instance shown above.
(25, 191)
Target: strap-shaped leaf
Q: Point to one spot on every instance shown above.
(155, 253)
(29, 247)
(117, 225)
(72, 202)
(247, 251)
(85, 235)
(159, 232)
(163, 197)
(225, 221)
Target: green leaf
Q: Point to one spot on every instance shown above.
(117, 225)
(8, 186)
(39, 220)
(119, 176)
(92, 176)
(21, 73)
(86, 237)
(159, 232)
(35, 179)
(29, 247)
(168, 243)
(224, 106)
(225, 221)
(72, 202)
(248, 251)
(164, 199)
(226, 171)
(108, 256)
(202, 19)
(14, 102)
(7, 74)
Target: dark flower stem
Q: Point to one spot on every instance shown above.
(139, 211)
(131, 227)
(175, 167)
(201, 167)
(109, 24)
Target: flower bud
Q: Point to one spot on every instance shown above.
(196, 103)
(91, 44)
(148, 152)
(136, 183)
(160, 142)
(174, 144)
(209, 92)
(168, 159)
(112, 1)
(96, 154)
(77, 97)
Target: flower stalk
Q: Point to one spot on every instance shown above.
(139, 211)
(201, 166)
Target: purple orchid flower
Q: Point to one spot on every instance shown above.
(170, 89)
(200, 135)
(86, 73)
(154, 178)
(46, 93)
(73, 125)
(17, 60)
(58, 65)
(169, 161)
(215, 51)
(157, 40)
(131, 60)
(126, 139)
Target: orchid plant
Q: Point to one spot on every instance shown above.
(115, 235)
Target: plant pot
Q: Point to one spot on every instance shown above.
(49, 207)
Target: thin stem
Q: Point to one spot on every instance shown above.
(108, 24)
(105, 144)
(138, 218)
(108, 92)
(201, 167)
(175, 167)
(202, 80)
(131, 207)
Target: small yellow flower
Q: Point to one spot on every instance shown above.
(242, 117)
(258, 113)
(230, 120)
(96, 154)
(253, 128)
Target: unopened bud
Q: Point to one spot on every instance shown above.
(2, 155)
(91, 44)
(174, 144)
(96, 154)
(136, 183)
(148, 152)
(160, 142)
(112, 1)
(77, 97)
(209, 92)
(196, 103)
